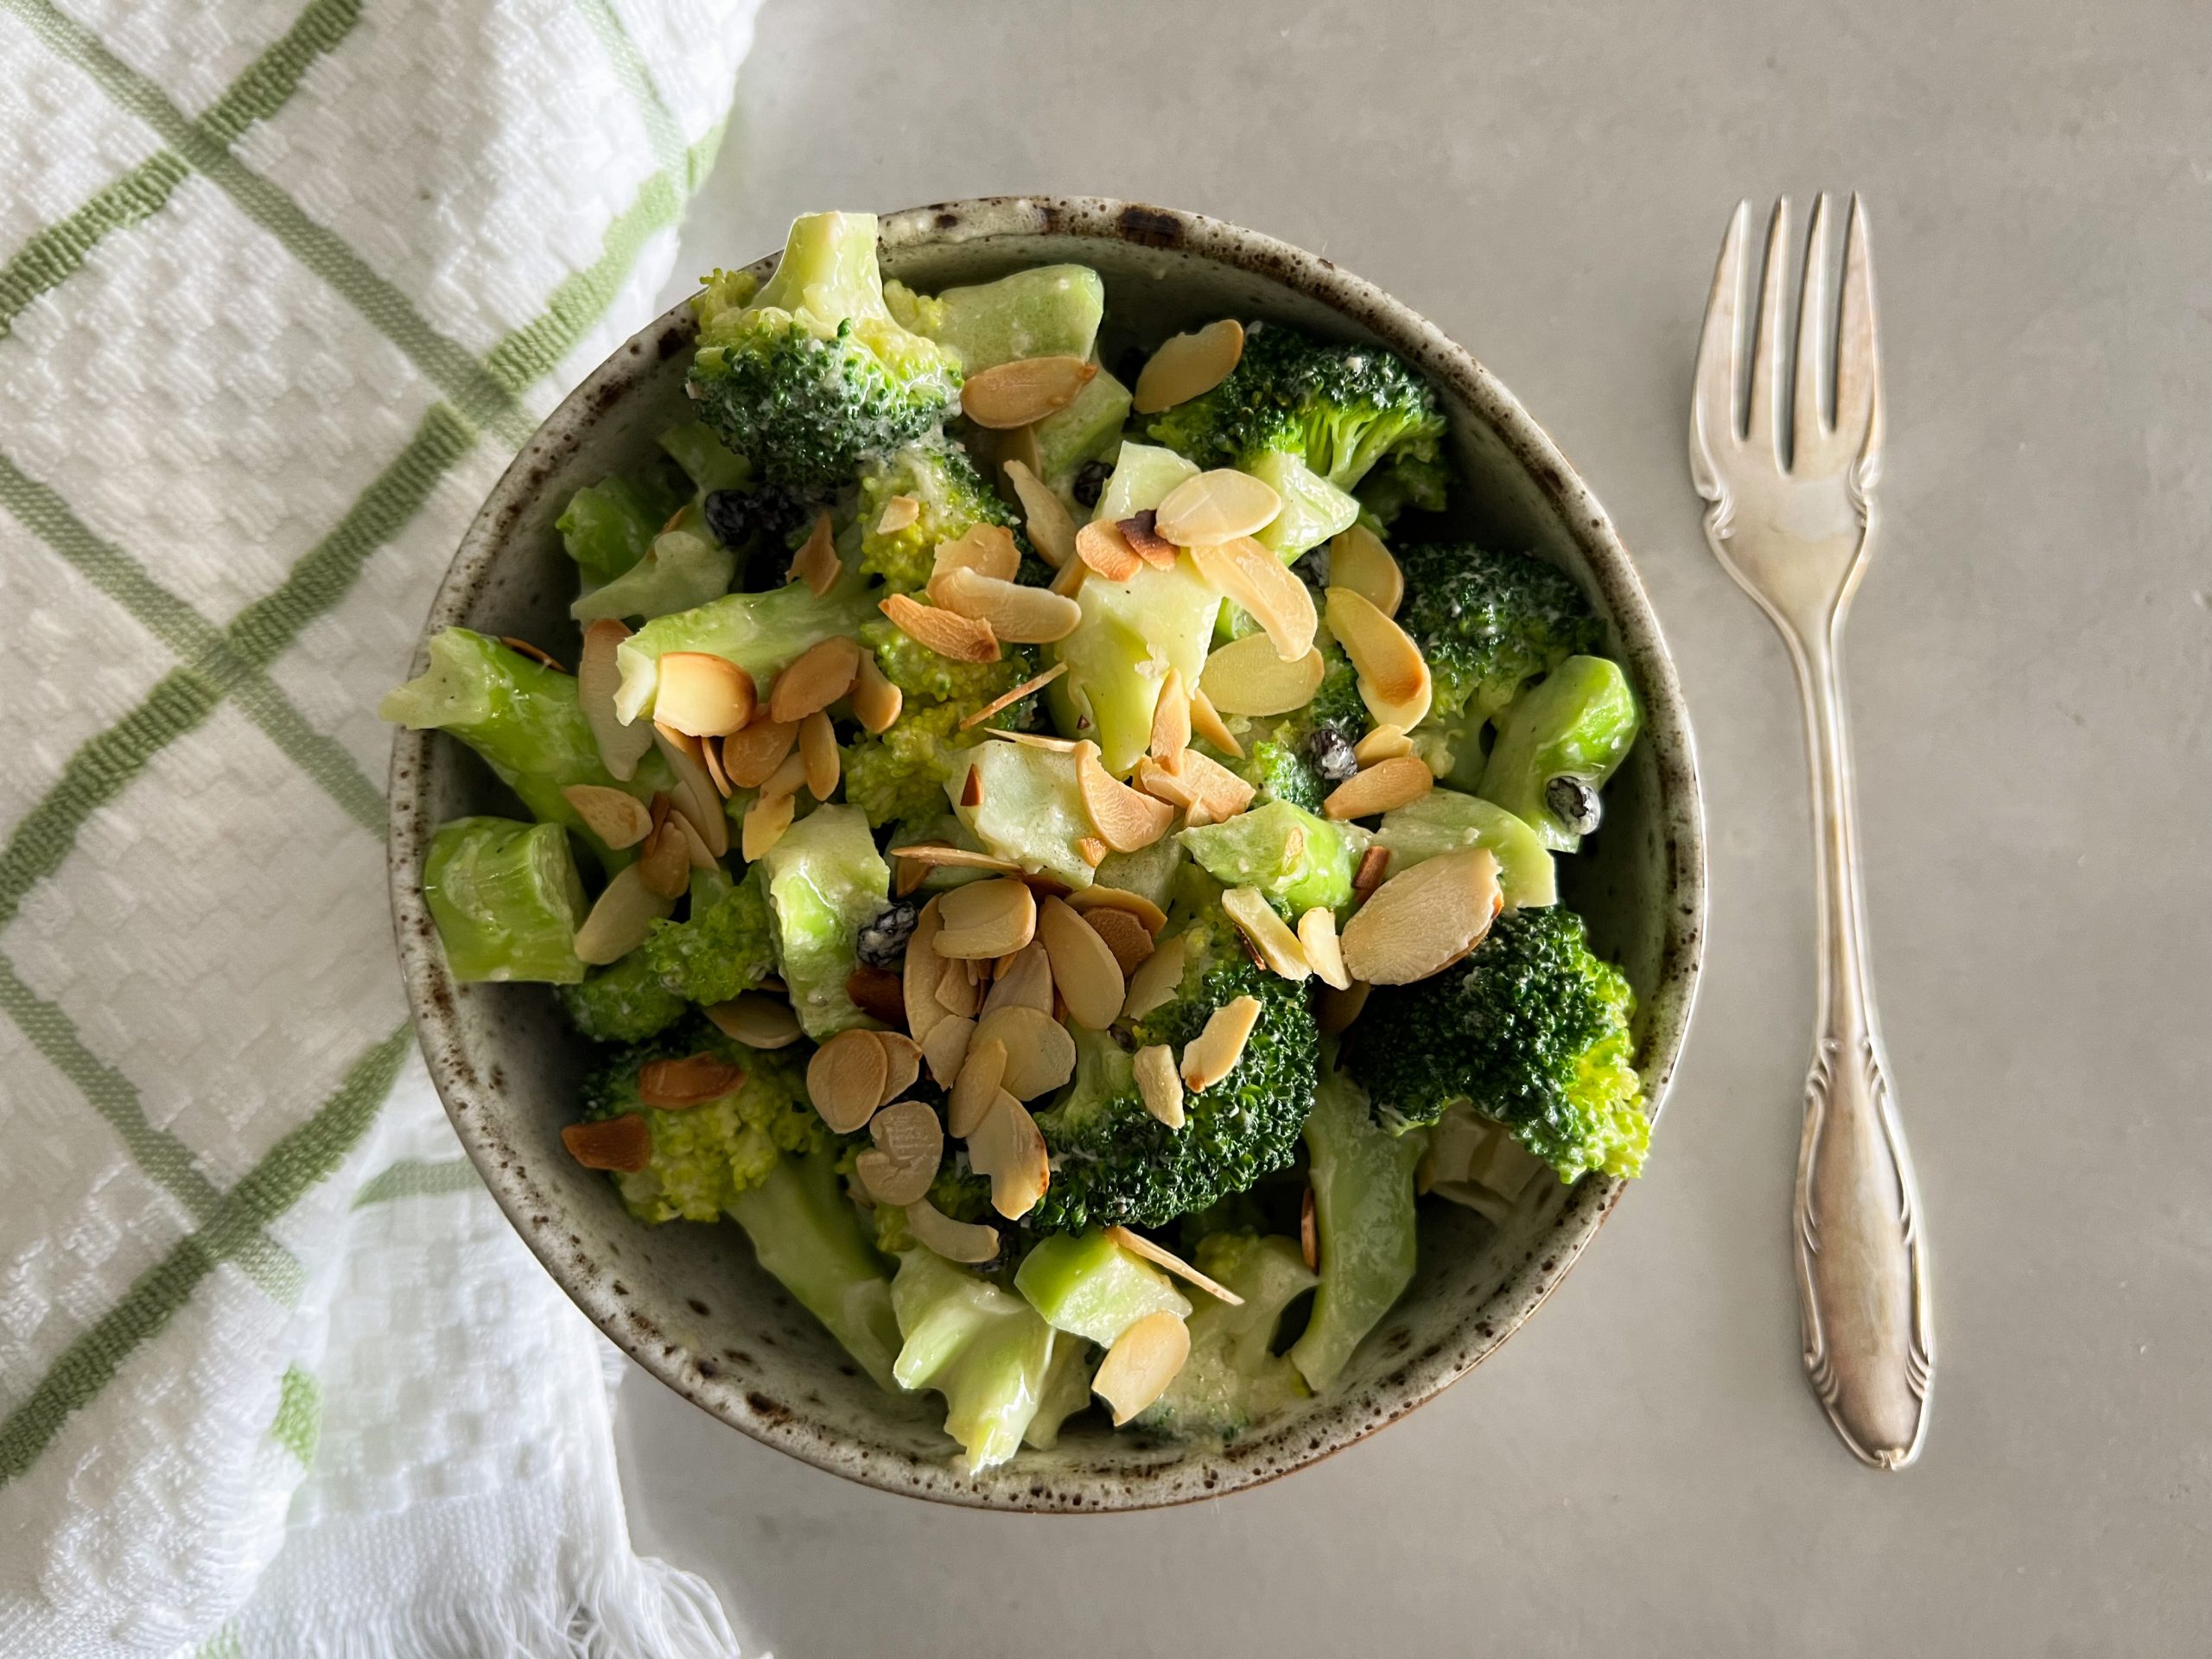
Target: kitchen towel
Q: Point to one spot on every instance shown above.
(283, 284)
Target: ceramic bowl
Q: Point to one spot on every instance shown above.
(686, 1301)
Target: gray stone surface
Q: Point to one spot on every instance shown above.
(1642, 1471)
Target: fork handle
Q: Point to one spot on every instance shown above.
(1862, 1268)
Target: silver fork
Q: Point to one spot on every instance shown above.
(1791, 519)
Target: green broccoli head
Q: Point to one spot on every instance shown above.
(1279, 758)
(626, 1003)
(922, 676)
(899, 777)
(937, 474)
(1532, 1030)
(704, 1156)
(725, 946)
(1114, 1162)
(1341, 408)
(1489, 622)
(811, 375)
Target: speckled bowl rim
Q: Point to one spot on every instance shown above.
(1483, 1327)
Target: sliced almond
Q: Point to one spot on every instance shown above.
(986, 919)
(1206, 722)
(1039, 1053)
(624, 1143)
(702, 694)
(1423, 919)
(1024, 981)
(909, 1146)
(1083, 965)
(971, 787)
(750, 756)
(969, 1242)
(818, 748)
(694, 842)
(1160, 1256)
(1124, 935)
(1334, 1010)
(898, 511)
(678, 1085)
(1358, 560)
(1213, 1053)
(1381, 787)
(986, 548)
(876, 702)
(766, 820)
(1125, 819)
(1099, 896)
(976, 1089)
(1101, 546)
(1216, 506)
(1394, 678)
(944, 1051)
(845, 1079)
(621, 919)
(1170, 718)
(1158, 1086)
(1008, 699)
(664, 861)
(1008, 1148)
(617, 818)
(929, 855)
(1143, 1361)
(1277, 947)
(695, 787)
(902, 1058)
(1022, 616)
(1051, 528)
(960, 639)
(1317, 936)
(1039, 740)
(1309, 1232)
(1208, 791)
(620, 746)
(1246, 572)
(1383, 743)
(877, 993)
(1249, 676)
(1023, 392)
(816, 677)
(1091, 851)
(1141, 532)
(816, 563)
(536, 654)
(1067, 581)
(1188, 366)
(957, 990)
(757, 1019)
(1374, 869)
(1407, 711)
(710, 751)
(917, 979)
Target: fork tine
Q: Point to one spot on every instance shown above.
(1808, 420)
(1857, 368)
(1713, 404)
(1765, 426)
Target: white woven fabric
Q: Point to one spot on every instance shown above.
(282, 284)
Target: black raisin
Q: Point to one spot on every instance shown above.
(773, 511)
(1573, 803)
(882, 940)
(1331, 751)
(1090, 480)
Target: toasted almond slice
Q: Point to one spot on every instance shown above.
(695, 844)
(1213, 1053)
(1158, 1086)
(1008, 1148)
(1309, 1232)
(1051, 528)
(1022, 616)
(1407, 711)
(1394, 678)
(944, 1051)
(664, 861)
(1101, 546)
(816, 563)
(617, 818)
(750, 756)
(1379, 788)
(1039, 740)
(877, 993)
(1023, 392)
(1123, 934)
(970, 1242)
(1207, 790)
(911, 1132)
(1098, 896)
(976, 1089)
(902, 1057)
(621, 919)
(710, 751)
(891, 1180)
(1039, 1053)
(845, 1079)
(536, 654)
(620, 746)
(1188, 366)
(1383, 743)
(898, 511)
(1334, 1010)
(1374, 869)
(960, 639)
(1007, 700)
(1091, 851)
(1423, 919)
(1140, 530)
(971, 787)
(1125, 820)
(1160, 1256)
(876, 702)
(1249, 676)
(1358, 560)
(702, 695)
(1206, 722)
(818, 748)
(1216, 506)
(678, 1085)
(1083, 965)
(1024, 981)
(1067, 581)
(1278, 948)
(1143, 1361)
(816, 677)
(1317, 936)
(986, 919)
(786, 780)
(623, 1143)
(986, 548)
(1171, 719)
(1246, 572)
(957, 990)
(917, 979)
(757, 1019)
(695, 786)
(928, 855)
(766, 820)
(1157, 982)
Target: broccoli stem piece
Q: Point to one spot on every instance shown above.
(506, 899)
(1091, 1287)
(1297, 859)
(705, 458)
(1045, 311)
(1576, 723)
(984, 1348)
(807, 1235)
(1234, 1379)
(825, 879)
(1446, 821)
(1116, 655)
(759, 633)
(1066, 1390)
(1363, 1179)
(682, 567)
(607, 526)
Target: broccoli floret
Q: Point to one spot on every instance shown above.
(899, 777)
(811, 375)
(1532, 1030)
(1487, 622)
(724, 947)
(937, 474)
(1233, 1379)
(626, 1003)
(1114, 1162)
(1341, 409)
(1278, 759)
(922, 676)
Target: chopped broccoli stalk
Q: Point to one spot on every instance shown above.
(1446, 821)
(1032, 811)
(1045, 311)
(1363, 1179)
(626, 1003)
(705, 459)
(1066, 1390)
(1089, 1287)
(1576, 724)
(1143, 475)
(506, 899)
(1149, 872)
(1086, 430)
(1474, 1161)
(1234, 1378)
(523, 718)
(759, 633)
(808, 1236)
(607, 526)
(1130, 635)
(824, 879)
(937, 474)
(1531, 1029)
(813, 375)
(1297, 859)
(682, 567)
(984, 1348)
(1314, 509)
(724, 947)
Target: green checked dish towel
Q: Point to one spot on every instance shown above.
(283, 283)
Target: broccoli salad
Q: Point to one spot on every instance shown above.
(1064, 862)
